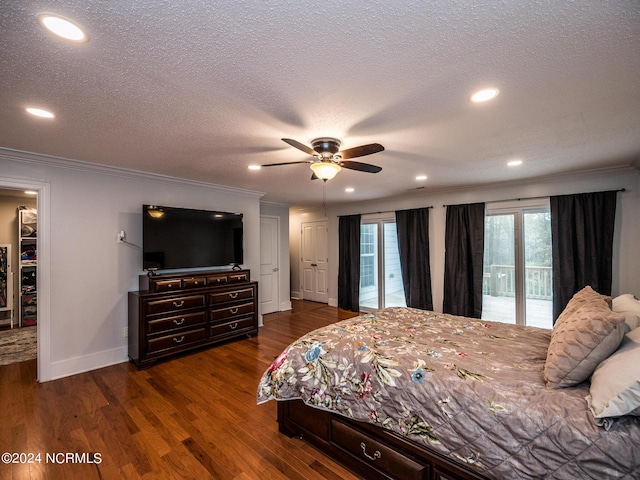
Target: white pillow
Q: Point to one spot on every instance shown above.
(629, 306)
(615, 383)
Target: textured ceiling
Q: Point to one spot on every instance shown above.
(201, 89)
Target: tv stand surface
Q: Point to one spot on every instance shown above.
(174, 313)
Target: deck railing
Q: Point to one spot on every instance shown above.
(500, 281)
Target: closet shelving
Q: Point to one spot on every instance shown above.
(28, 243)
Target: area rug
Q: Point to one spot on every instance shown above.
(18, 345)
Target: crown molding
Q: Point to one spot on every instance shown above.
(555, 178)
(78, 165)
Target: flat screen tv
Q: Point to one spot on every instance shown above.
(182, 238)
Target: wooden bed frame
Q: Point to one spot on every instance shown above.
(367, 450)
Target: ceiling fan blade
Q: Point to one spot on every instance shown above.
(361, 151)
(299, 146)
(361, 167)
(285, 163)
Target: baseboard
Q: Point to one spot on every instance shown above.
(284, 306)
(73, 366)
(333, 302)
(296, 296)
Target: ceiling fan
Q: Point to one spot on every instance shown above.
(329, 159)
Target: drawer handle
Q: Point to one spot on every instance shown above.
(233, 326)
(178, 304)
(182, 340)
(233, 310)
(196, 283)
(376, 454)
(170, 285)
(178, 322)
(234, 295)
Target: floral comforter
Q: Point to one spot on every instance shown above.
(470, 389)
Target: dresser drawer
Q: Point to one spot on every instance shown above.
(239, 277)
(194, 282)
(174, 304)
(167, 285)
(228, 328)
(220, 314)
(178, 340)
(219, 279)
(171, 323)
(375, 454)
(229, 296)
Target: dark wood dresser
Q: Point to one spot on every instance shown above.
(173, 313)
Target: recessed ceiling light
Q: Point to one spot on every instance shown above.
(62, 27)
(421, 177)
(39, 112)
(484, 95)
(349, 189)
(514, 163)
(30, 192)
(254, 167)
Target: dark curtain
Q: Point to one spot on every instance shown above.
(349, 263)
(464, 254)
(582, 244)
(413, 247)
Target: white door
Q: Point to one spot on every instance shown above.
(268, 288)
(314, 261)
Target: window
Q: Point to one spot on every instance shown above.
(380, 276)
(517, 277)
(368, 248)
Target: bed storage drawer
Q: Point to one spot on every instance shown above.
(376, 454)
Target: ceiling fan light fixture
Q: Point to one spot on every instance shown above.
(325, 170)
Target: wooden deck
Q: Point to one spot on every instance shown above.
(539, 313)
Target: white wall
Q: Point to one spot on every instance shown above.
(626, 261)
(83, 300)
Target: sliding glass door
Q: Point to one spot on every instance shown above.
(380, 275)
(517, 266)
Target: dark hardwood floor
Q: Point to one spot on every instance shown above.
(190, 417)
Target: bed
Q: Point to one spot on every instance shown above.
(406, 393)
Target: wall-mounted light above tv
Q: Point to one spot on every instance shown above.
(182, 238)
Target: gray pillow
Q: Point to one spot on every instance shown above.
(615, 384)
(585, 334)
(629, 306)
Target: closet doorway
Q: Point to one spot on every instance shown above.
(23, 328)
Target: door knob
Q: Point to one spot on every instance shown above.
(276, 269)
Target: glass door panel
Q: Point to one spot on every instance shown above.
(369, 266)
(538, 274)
(499, 271)
(393, 287)
(380, 276)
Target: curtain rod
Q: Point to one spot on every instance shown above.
(388, 211)
(527, 198)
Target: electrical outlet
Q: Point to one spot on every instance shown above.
(121, 236)
(126, 332)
